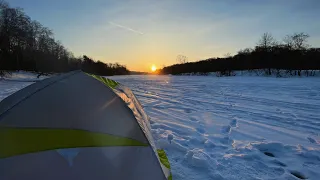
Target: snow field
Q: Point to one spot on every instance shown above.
(234, 127)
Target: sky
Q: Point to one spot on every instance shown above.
(140, 33)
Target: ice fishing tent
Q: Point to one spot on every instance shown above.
(77, 126)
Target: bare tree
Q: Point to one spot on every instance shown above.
(182, 59)
(288, 41)
(300, 40)
(266, 44)
(297, 41)
(266, 41)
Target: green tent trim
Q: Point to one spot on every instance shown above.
(108, 82)
(17, 141)
(163, 158)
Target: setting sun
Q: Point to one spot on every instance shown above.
(153, 68)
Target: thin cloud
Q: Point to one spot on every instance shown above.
(126, 28)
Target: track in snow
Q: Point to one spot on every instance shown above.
(234, 127)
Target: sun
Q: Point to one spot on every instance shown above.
(153, 68)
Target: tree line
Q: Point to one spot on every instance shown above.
(27, 45)
(291, 54)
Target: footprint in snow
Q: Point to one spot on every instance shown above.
(279, 111)
(200, 130)
(226, 140)
(298, 175)
(226, 129)
(233, 123)
(268, 154)
(193, 119)
(170, 137)
(312, 140)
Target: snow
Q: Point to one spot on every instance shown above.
(262, 72)
(16, 81)
(24, 76)
(229, 127)
(234, 127)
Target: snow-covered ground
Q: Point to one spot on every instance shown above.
(262, 72)
(229, 127)
(234, 127)
(17, 81)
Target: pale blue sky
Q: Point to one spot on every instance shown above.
(139, 33)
